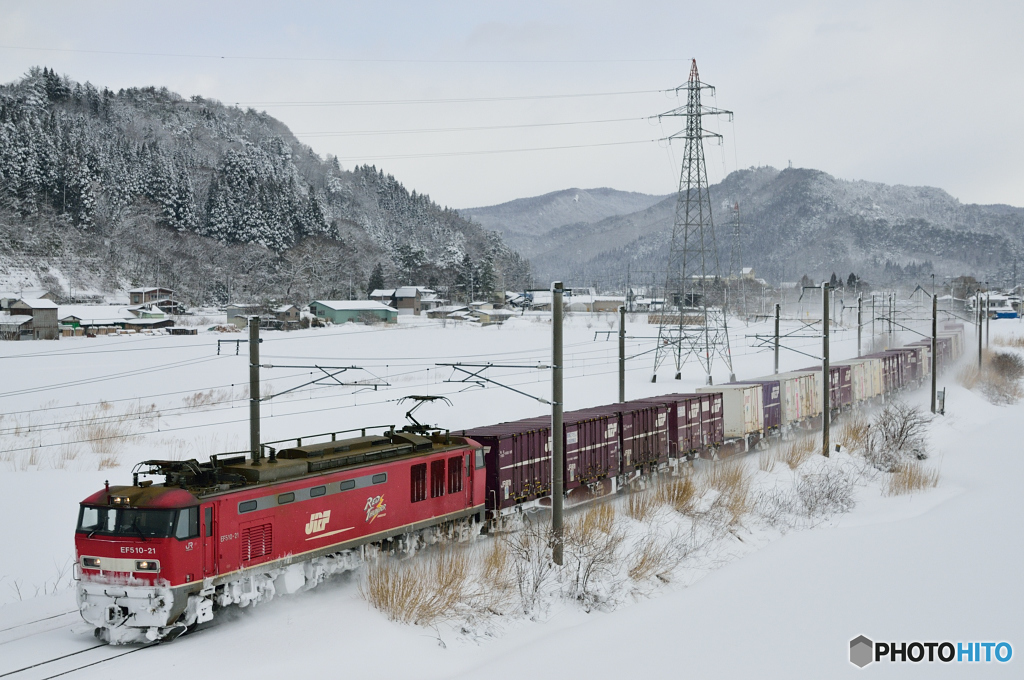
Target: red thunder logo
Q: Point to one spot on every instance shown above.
(375, 507)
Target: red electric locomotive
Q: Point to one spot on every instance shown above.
(157, 558)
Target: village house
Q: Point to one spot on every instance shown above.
(407, 299)
(44, 319)
(342, 311)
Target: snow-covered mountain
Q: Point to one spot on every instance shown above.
(523, 220)
(799, 221)
(103, 190)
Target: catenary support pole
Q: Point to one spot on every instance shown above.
(777, 308)
(988, 318)
(934, 363)
(860, 324)
(977, 310)
(556, 423)
(254, 389)
(826, 387)
(622, 354)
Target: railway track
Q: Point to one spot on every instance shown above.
(48, 670)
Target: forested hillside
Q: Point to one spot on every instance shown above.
(800, 221)
(103, 190)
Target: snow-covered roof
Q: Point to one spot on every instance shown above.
(149, 290)
(14, 319)
(284, 308)
(407, 291)
(353, 305)
(23, 294)
(382, 292)
(449, 309)
(39, 304)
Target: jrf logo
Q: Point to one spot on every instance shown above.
(318, 522)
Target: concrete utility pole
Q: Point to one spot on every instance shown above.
(977, 310)
(826, 409)
(988, 318)
(860, 325)
(935, 326)
(622, 354)
(254, 389)
(557, 481)
(777, 307)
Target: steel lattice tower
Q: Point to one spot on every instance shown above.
(736, 254)
(692, 284)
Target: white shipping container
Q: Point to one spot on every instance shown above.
(801, 394)
(742, 406)
(866, 377)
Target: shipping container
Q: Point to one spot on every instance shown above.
(771, 402)
(685, 415)
(742, 408)
(840, 388)
(800, 398)
(518, 461)
(591, 441)
(866, 378)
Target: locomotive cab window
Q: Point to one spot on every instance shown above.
(141, 523)
(479, 459)
(187, 525)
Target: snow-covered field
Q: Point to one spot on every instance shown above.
(936, 565)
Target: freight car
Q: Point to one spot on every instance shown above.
(154, 559)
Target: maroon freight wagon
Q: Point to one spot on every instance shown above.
(518, 461)
(591, 441)
(840, 385)
(643, 435)
(695, 423)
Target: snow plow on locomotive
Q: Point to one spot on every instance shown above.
(156, 559)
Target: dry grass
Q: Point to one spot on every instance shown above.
(733, 483)
(680, 494)
(767, 459)
(797, 451)
(653, 558)
(1012, 341)
(421, 591)
(853, 433)
(998, 378)
(592, 550)
(641, 505)
(910, 477)
(209, 398)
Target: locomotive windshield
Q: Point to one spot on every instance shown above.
(140, 523)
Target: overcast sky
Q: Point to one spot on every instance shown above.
(918, 93)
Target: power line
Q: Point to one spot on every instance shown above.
(492, 151)
(363, 133)
(344, 60)
(451, 100)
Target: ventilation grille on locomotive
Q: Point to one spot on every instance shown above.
(257, 541)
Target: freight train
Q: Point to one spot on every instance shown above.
(155, 559)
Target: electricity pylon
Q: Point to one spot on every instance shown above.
(693, 286)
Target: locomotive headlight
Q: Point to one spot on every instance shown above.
(91, 562)
(146, 565)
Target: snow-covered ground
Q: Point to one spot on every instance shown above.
(936, 565)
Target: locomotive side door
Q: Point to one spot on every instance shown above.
(210, 539)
